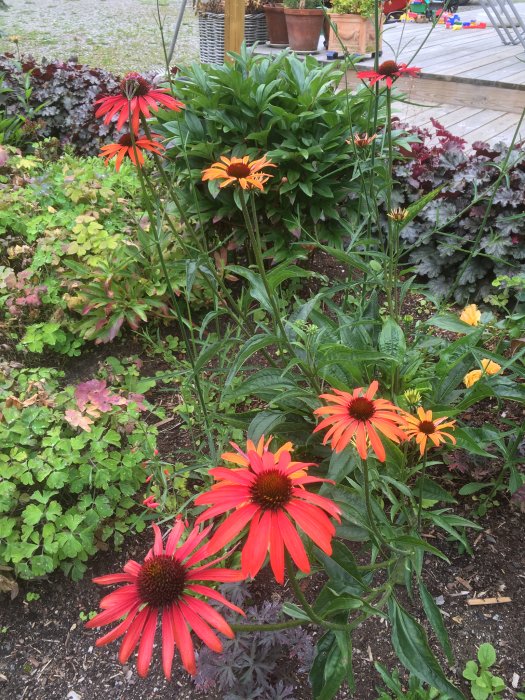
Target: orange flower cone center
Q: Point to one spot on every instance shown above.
(427, 427)
(125, 140)
(161, 581)
(271, 490)
(361, 408)
(238, 170)
(388, 68)
(134, 84)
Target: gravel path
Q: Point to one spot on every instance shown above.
(120, 35)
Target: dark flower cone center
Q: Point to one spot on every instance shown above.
(238, 170)
(427, 427)
(161, 581)
(133, 84)
(361, 408)
(125, 140)
(271, 490)
(388, 68)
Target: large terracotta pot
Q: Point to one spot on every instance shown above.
(304, 29)
(276, 23)
(357, 34)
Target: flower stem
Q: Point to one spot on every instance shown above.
(420, 498)
(269, 627)
(370, 513)
(314, 617)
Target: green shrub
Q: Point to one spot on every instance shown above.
(66, 490)
(284, 107)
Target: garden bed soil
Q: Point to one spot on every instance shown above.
(46, 654)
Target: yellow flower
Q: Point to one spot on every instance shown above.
(471, 315)
(398, 214)
(490, 367)
(472, 377)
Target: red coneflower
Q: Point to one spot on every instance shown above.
(389, 71)
(424, 428)
(124, 148)
(166, 583)
(356, 417)
(137, 96)
(268, 493)
(242, 171)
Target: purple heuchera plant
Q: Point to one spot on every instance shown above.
(438, 249)
(255, 665)
(68, 91)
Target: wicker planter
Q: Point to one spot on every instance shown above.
(304, 29)
(357, 34)
(211, 34)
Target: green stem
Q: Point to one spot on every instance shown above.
(175, 302)
(314, 617)
(270, 627)
(420, 498)
(370, 513)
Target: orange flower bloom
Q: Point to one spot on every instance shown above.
(137, 96)
(268, 492)
(389, 71)
(241, 171)
(471, 315)
(166, 588)
(124, 148)
(357, 417)
(423, 427)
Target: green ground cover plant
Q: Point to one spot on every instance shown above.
(71, 461)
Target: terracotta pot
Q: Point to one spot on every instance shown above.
(304, 29)
(277, 32)
(357, 34)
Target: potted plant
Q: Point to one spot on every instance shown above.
(304, 22)
(354, 22)
(276, 23)
(211, 28)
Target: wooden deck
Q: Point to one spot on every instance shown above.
(471, 82)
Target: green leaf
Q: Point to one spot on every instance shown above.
(32, 514)
(331, 665)
(473, 487)
(392, 340)
(264, 423)
(467, 440)
(449, 322)
(295, 611)
(411, 646)
(486, 655)
(435, 618)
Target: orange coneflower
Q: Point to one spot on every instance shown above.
(241, 171)
(471, 315)
(166, 583)
(389, 71)
(357, 417)
(124, 148)
(268, 493)
(423, 427)
(137, 96)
